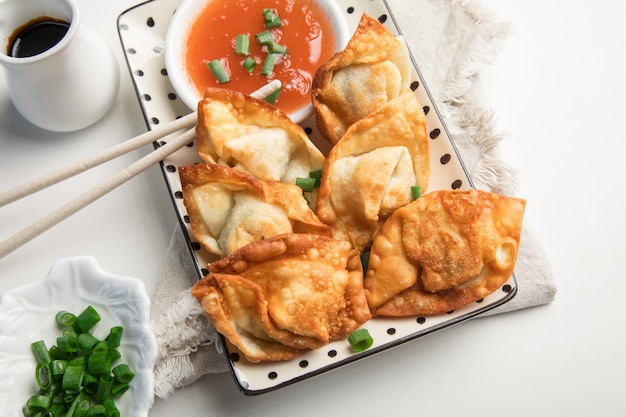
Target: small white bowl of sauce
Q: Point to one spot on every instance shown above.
(205, 31)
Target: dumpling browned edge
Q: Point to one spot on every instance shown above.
(408, 298)
(329, 125)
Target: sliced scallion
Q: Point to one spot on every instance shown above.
(38, 402)
(219, 71)
(114, 337)
(276, 48)
(249, 64)
(42, 375)
(242, 44)
(40, 351)
(271, 18)
(416, 192)
(272, 98)
(122, 373)
(87, 319)
(360, 340)
(72, 378)
(265, 38)
(269, 63)
(307, 184)
(65, 319)
(317, 174)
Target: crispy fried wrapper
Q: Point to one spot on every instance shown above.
(275, 298)
(251, 135)
(373, 68)
(443, 251)
(228, 208)
(370, 171)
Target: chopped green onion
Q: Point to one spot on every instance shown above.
(65, 319)
(276, 48)
(82, 408)
(38, 402)
(104, 388)
(97, 410)
(66, 345)
(242, 44)
(272, 98)
(269, 63)
(87, 319)
(98, 363)
(365, 260)
(86, 341)
(249, 64)
(219, 71)
(265, 38)
(90, 383)
(100, 347)
(122, 373)
(110, 408)
(416, 192)
(42, 375)
(55, 353)
(360, 340)
(114, 337)
(114, 355)
(119, 389)
(72, 378)
(271, 18)
(57, 368)
(318, 177)
(307, 184)
(42, 355)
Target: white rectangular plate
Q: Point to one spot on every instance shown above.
(142, 31)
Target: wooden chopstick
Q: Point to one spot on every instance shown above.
(54, 177)
(83, 165)
(139, 166)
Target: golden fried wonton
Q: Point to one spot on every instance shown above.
(373, 68)
(443, 251)
(228, 208)
(251, 135)
(370, 171)
(277, 297)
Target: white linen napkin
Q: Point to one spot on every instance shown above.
(451, 40)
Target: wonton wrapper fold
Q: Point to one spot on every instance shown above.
(373, 68)
(251, 135)
(294, 291)
(228, 208)
(443, 251)
(370, 171)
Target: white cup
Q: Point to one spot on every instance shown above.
(67, 87)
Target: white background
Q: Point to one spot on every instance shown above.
(558, 92)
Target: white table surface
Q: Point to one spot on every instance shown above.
(558, 92)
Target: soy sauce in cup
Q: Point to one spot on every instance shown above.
(36, 36)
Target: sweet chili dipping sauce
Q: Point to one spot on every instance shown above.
(305, 31)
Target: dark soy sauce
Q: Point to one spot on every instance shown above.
(36, 36)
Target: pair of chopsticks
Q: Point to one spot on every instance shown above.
(35, 229)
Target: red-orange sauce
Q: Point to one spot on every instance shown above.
(306, 31)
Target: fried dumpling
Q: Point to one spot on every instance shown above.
(228, 208)
(370, 171)
(373, 68)
(275, 298)
(250, 135)
(443, 251)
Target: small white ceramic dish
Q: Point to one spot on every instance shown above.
(178, 33)
(27, 314)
